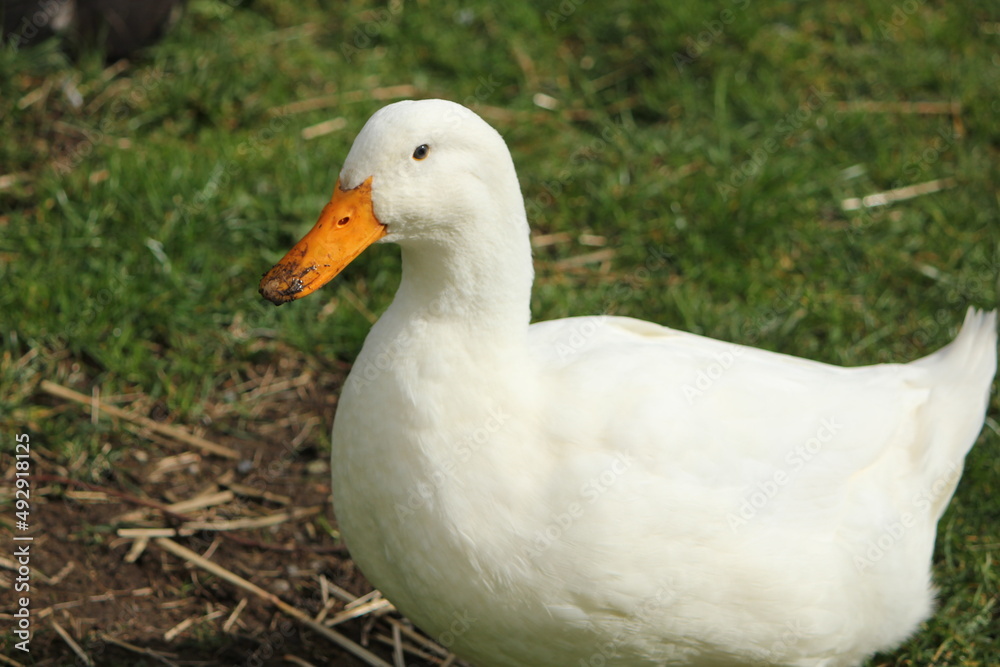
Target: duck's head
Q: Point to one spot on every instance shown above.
(419, 172)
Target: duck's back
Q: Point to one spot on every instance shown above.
(771, 495)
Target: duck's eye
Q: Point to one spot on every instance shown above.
(421, 152)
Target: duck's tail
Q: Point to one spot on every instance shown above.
(960, 375)
(973, 353)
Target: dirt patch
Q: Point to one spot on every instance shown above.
(126, 604)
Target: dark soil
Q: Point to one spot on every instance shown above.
(83, 580)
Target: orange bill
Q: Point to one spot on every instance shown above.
(346, 226)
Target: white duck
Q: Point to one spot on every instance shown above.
(569, 493)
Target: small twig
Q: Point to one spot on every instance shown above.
(897, 194)
(251, 492)
(170, 634)
(138, 546)
(591, 257)
(156, 655)
(174, 432)
(592, 240)
(255, 522)
(147, 533)
(180, 507)
(36, 95)
(68, 481)
(231, 621)
(370, 596)
(419, 638)
(164, 532)
(61, 574)
(9, 564)
(269, 388)
(95, 404)
(380, 604)
(169, 464)
(324, 128)
(7, 180)
(341, 593)
(173, 632)
(954, 109)
(327, 606)
(72, 644)
(9, 661)
(397, 648)
(221, 572)
(192, 527)
(103, 597)
(88, 496)
(542, 240)
(407, 648)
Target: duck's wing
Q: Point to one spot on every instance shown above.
(736, 414)
(757, 441)
(748, 483)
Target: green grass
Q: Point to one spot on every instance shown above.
(138, 224)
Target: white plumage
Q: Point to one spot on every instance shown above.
(607, 491)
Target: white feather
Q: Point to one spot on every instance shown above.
(605, 491)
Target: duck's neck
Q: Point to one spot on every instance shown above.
(480, 286)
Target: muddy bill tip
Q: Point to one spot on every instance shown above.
(278, 290)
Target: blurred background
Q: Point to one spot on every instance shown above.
(815, 178)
